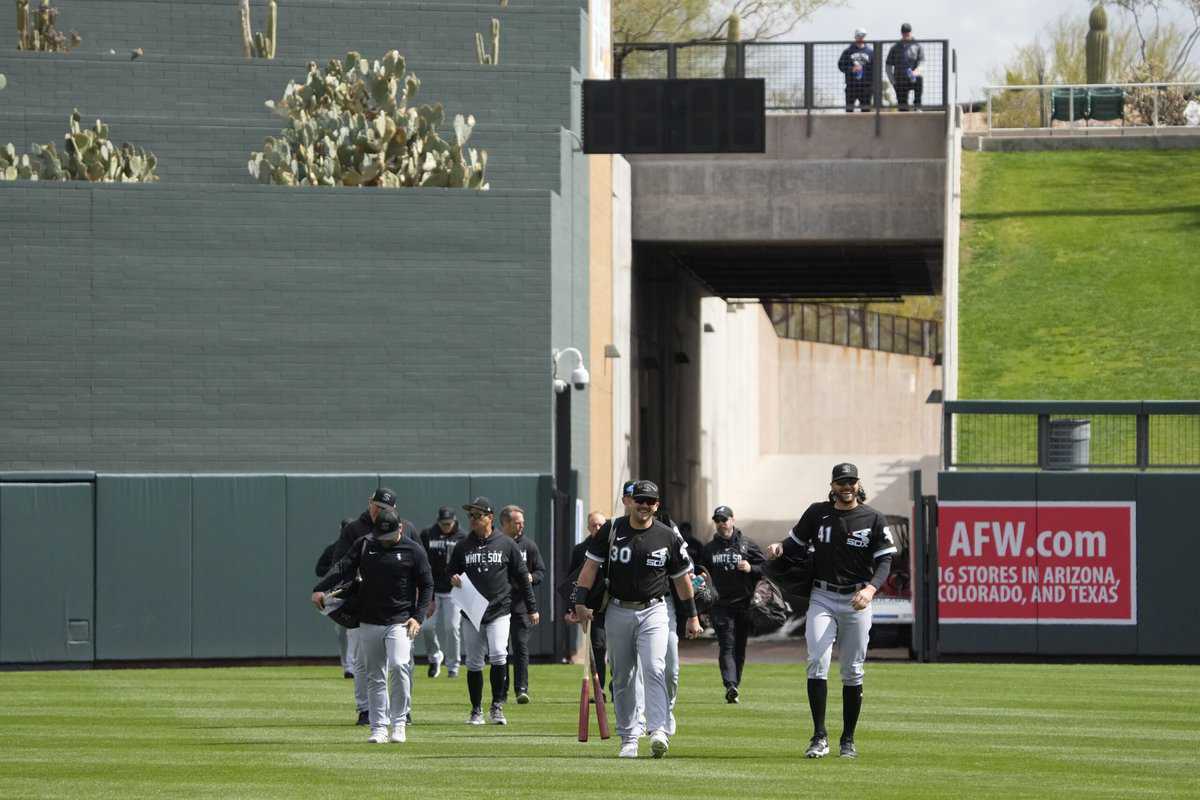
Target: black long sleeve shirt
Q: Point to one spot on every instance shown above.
(439, 546)
(535, 566)
(396, 581)
(494, 566)
(721, 556)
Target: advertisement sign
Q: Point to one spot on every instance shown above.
(1042, 563)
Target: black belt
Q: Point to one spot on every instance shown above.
(634, 605)
(837, 588)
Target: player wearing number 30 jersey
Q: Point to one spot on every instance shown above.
(852, 552)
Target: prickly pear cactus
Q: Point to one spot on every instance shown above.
(88, 155)
(36, 29)
(352, 124)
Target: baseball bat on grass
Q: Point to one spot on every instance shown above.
(587, 682)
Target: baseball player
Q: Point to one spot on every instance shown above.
(734, 563)
(382, 500)
(512, 523)
(323, 565)
(494, 566)
(642, 556)
(394, 593)
(595, 527)
(852, 556)
(439, 540)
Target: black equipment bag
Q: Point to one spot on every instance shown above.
(768, 610)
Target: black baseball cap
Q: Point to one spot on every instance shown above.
(647, 489)
(906, 28)
(387, 522)
(479, 504)
(627, 488)
(445, 512)
(843, 471)
(723, 511)
(384, 496)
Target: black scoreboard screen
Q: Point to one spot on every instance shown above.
(702, 115)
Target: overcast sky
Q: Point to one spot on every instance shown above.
(984, 32)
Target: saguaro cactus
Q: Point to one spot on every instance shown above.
(1097, 46)
(733, 34)
(259, 44)
(481, 50)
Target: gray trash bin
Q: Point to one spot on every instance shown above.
(1068, 444)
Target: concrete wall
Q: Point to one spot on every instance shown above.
(209, 328)
(777, 414)
(840, 183)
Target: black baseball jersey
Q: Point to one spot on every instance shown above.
(494, 566)
(846, 543)
(396, 583)
(533, 564)
(721, 556)
(640, 563)
(438, 546)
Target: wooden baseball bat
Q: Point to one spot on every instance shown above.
(587, 681)
(601, 712)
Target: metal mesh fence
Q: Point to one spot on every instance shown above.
(856, 327)
(800, 75)
(1055, 437)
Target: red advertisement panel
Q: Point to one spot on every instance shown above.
(1040, 563)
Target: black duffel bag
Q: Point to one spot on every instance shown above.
(768, 610)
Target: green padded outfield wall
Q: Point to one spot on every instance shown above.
(46, 572)
(315, 507)
(143, 567)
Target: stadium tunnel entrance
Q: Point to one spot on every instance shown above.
(724, 410)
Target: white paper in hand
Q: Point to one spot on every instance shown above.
(473, 604)
(332, 603)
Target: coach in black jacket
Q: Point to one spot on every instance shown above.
(439, 541)
(735, 564)
(493, 564)
(512, 523)
(394, 594)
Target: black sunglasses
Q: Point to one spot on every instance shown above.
(478, 515)
(845, 482)
(645, 501)
(720, 519)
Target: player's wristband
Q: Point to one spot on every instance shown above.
(689, 607)
(580, 595)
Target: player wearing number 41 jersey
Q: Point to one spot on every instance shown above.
(852, 552)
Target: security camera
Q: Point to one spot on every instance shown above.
(580, 377)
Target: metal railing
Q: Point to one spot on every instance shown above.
(1038, 107)
(799, 76)
(998, 434)
(854, 327)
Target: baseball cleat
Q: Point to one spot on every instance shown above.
(452, 673)
(848, 749)
(659, 744)
(476, 717)
(731, 694)
(522, 697)
(347, 674)
(497, 714)
(628, 749)
(818, 747)
(364, 718)
(435, 668)
(398, 734)
(378, 736)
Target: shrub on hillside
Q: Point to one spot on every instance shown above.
(349, 127)
(88, 155)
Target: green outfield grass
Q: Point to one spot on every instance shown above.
(1080, 276)
(928, 731)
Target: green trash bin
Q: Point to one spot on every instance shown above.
(1106, 103)
(1061, 101)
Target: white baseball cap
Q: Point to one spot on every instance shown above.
(860, 33)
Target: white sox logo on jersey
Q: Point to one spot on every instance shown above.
(858, 538)
(480, 557)
(657, 558)
(727, 560)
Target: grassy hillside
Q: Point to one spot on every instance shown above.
(1080, 276)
